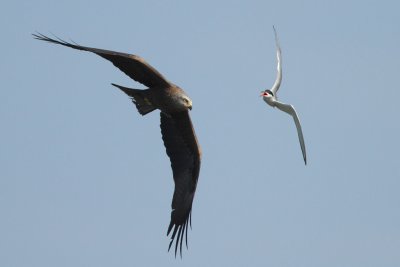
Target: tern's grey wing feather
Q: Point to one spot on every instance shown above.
(133, 66)
(278, 80)
(289, 109)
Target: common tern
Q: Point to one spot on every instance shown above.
(271, 98)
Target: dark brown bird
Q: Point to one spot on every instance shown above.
(176, 127)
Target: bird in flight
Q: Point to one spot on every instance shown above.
(270, 96)
(177, 130)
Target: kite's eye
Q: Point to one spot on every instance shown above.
(187, 101)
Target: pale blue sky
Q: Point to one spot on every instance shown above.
(85, 181)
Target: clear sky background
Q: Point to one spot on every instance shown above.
(85, 180)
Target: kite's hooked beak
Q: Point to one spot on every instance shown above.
(190, 107)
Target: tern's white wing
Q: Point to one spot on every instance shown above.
(289, 109)
(278, 80)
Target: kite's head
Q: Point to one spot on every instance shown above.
(177, 99)
(186, 101)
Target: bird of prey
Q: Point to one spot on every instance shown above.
(177, 130)
(270, 96)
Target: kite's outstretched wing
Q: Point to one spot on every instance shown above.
(133, 66)
(184, 152)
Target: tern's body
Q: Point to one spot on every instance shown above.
(270, 97)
